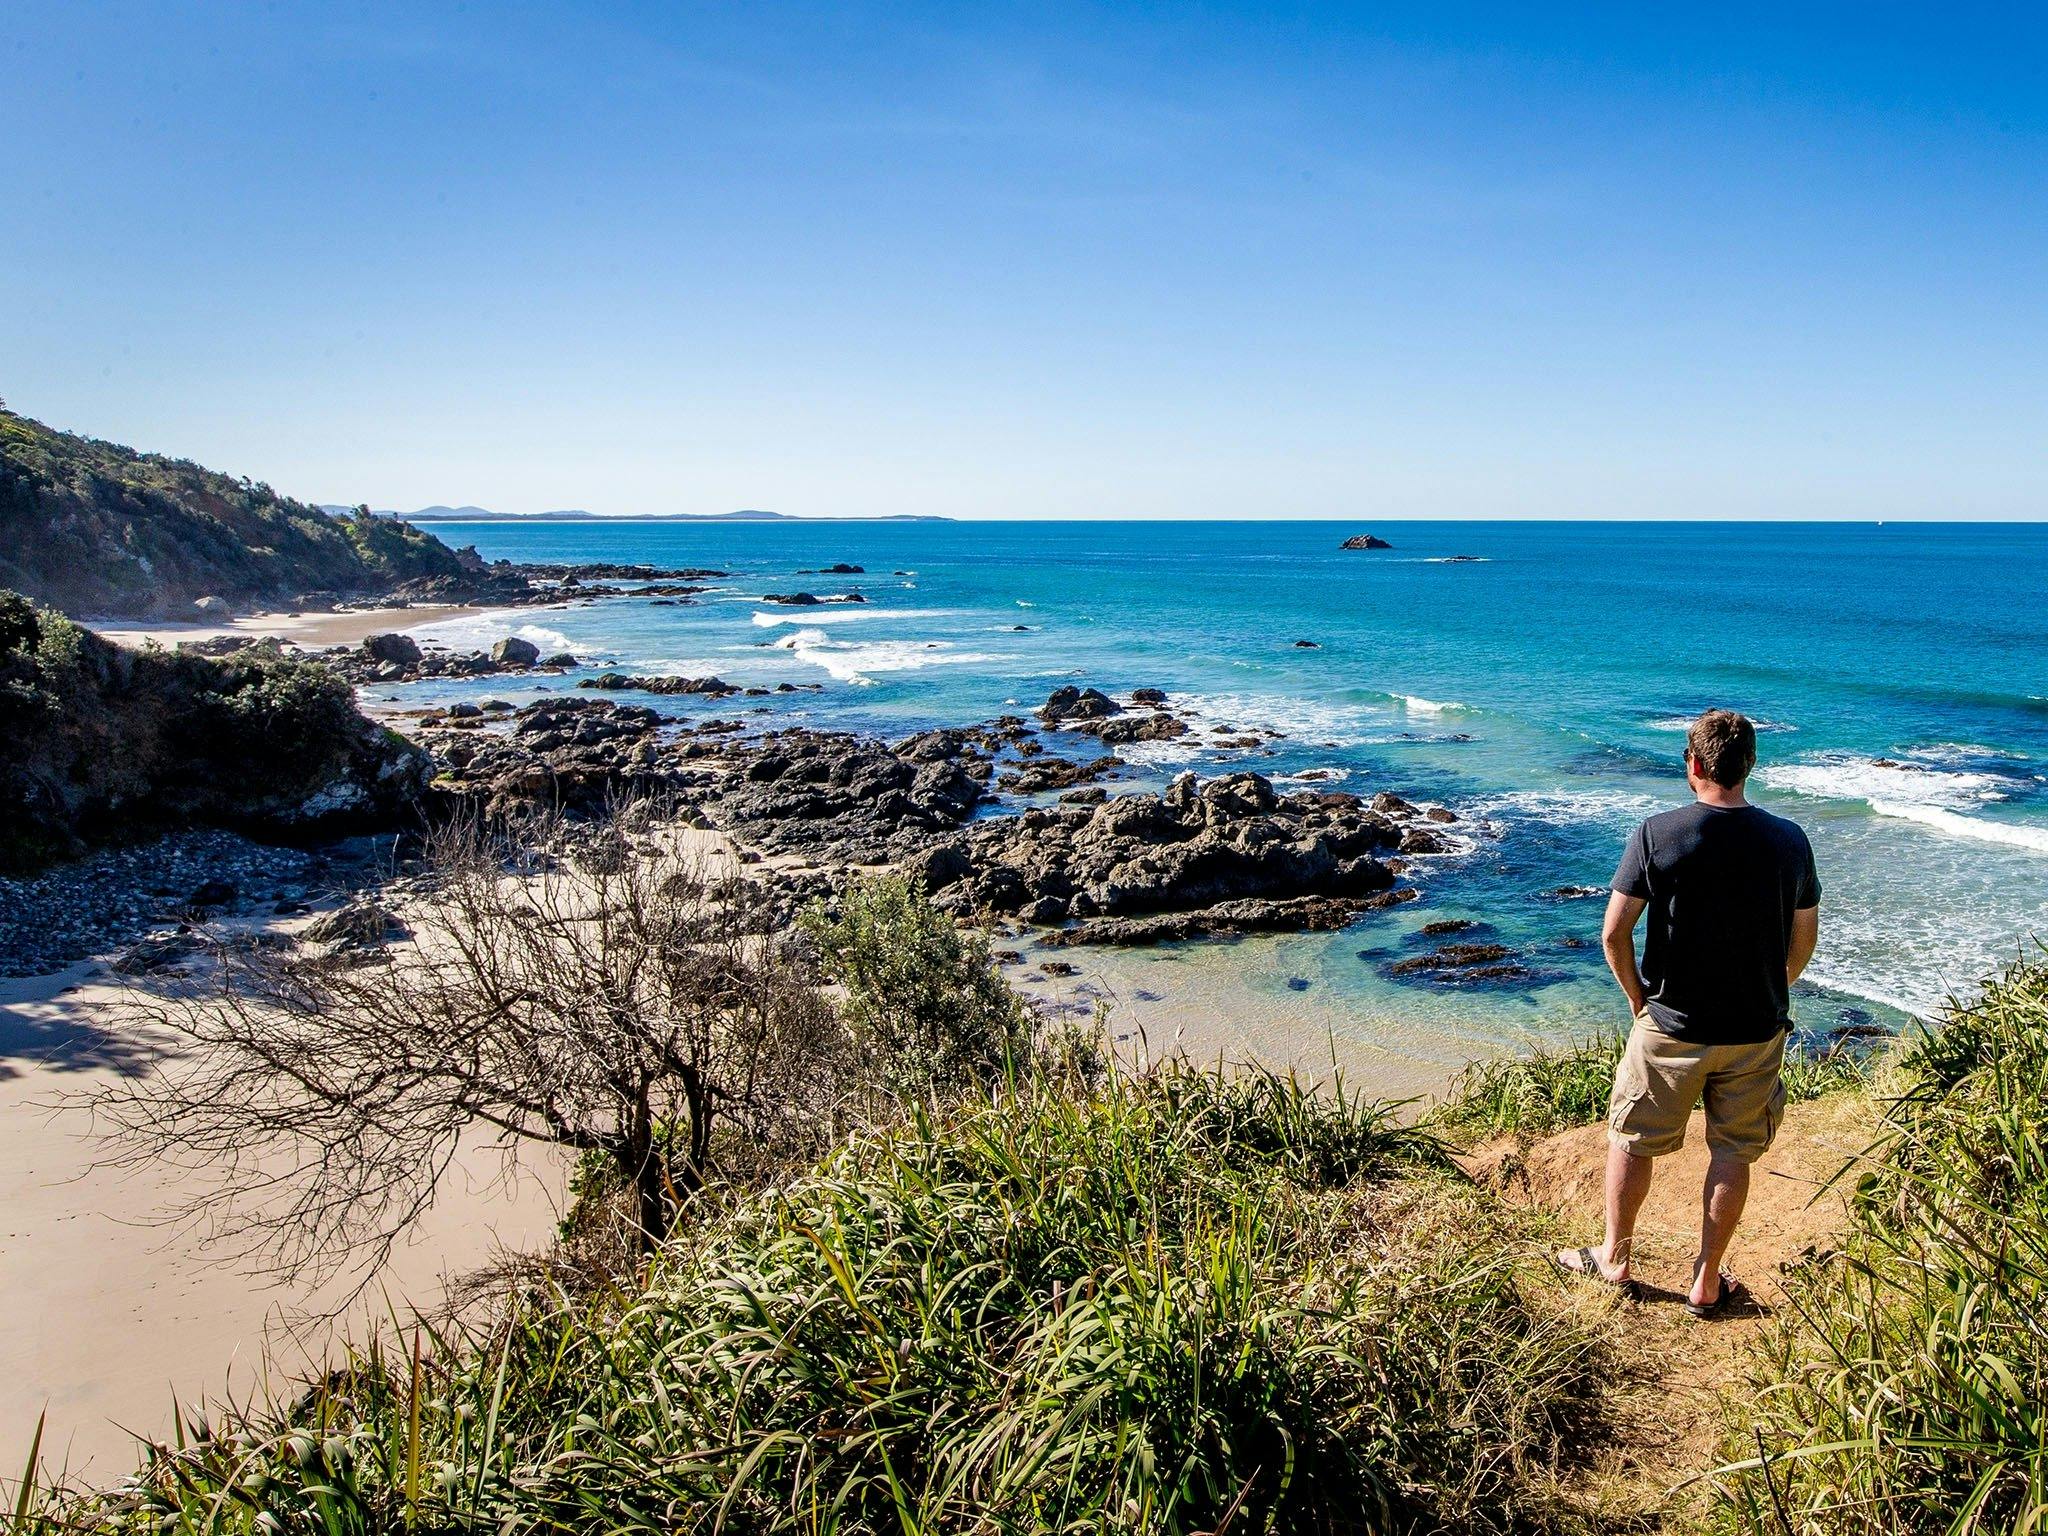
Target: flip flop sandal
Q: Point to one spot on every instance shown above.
(1588, 1268)
(1733, 1294)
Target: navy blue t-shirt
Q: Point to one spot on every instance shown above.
(1722, 884)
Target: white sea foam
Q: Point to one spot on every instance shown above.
(1607, 806)
(1934, 798)
(1981, 828)
(847, 613)
(1457, 560)
(1327, 777)
(1346, 725)
(1966, 752)
(851, 661)
(1680, 724)
(1844, 776)
(480, 631)
(1021, 603)
(1416, 705)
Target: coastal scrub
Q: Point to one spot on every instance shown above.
(1183, 1302)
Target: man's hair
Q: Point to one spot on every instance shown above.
(1723, 743)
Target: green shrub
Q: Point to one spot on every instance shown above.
(1908, 1387)
(1186, 1303)
(923, 997)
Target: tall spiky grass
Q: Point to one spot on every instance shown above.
(1908, 1390)
(1187, 1302)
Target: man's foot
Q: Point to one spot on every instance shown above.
(1715, 1296)
(1590, 1263)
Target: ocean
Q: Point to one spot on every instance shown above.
(1534, 677)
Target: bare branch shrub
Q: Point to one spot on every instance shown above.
(637, 1007)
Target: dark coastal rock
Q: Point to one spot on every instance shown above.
(1308, 645)
(1148, 695)
(810, 599)
(1048, 773)
(157, 954)
(710, 687)
(1120, 729)
(1458, 963)
(841, 568)
(848, 799)
(573, 754)
(213, 893)
(362, 924)
(1070, 703)
(1365, 541)
(395, 658)
(399, 650)
(1196, 847)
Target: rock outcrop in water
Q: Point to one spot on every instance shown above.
(1196, 847)
(1365, 541)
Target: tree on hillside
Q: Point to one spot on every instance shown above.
(639, 1008)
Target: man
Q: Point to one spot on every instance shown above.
(1734, 906)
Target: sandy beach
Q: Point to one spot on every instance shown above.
(309, 630)
(113, 1316)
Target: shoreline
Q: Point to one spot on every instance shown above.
(307, 630)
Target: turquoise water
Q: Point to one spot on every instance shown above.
(1899, 674)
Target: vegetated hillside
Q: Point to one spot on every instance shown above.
(99, 741)
(95, 528)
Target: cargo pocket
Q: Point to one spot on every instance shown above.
(1774, 1114)
(1630, 1084)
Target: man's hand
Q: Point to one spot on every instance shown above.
(1805, 934)
(1618, 938)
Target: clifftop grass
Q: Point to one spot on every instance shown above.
(93, 527)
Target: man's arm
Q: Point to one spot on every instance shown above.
(1618, 938)
(1805, 934)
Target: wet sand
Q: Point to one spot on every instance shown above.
(310, 630)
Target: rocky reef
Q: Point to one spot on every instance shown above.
(1226, 855)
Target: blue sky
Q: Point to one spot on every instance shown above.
(1142, 261)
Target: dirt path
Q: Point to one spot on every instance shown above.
(1672, 1409)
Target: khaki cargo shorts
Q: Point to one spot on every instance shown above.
(1659, 1080)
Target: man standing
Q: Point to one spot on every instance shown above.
(1734, 907)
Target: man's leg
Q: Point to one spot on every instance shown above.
(1721, 1202)
(1628, 1184)
(1656, 1084)
(1745, 1097)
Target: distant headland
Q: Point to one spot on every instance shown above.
(440, 514)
